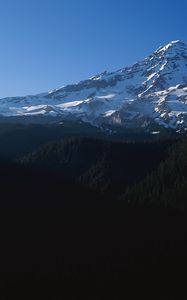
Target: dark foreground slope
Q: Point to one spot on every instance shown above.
(73, 239)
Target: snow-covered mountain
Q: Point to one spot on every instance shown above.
(151, 92)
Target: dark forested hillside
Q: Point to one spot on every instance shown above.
(167, 185)
(18, 139)
(101, 165)
(94, 217)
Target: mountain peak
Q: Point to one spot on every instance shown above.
(177, 42)
(149, 94)
(173, 46)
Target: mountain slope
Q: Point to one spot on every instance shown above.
(151, 93)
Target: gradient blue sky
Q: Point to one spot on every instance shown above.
(45, 44)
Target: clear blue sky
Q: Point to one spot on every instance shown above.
(45, 44)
